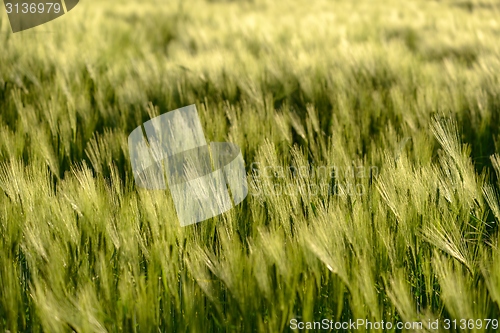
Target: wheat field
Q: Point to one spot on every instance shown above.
(371, 137)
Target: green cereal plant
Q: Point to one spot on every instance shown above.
(370, 132)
